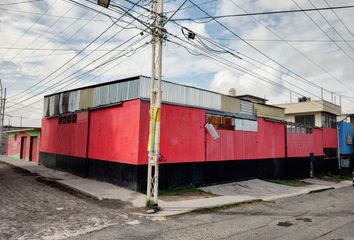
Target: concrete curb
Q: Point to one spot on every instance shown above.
(101, 190)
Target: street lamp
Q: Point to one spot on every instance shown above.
(103, 3)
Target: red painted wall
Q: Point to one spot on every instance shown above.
(267, 142)
(302, 144)
(14, 145)
(65, 139)
(120, 134)
(182, 134)
(114, 133)
(48, 141)
(330, 139)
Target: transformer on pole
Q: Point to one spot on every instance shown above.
(155, 102)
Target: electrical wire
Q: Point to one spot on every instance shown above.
(93, 41)
(247, 43)
(332, 27)
(73, 74)
(16, 3)
(239, 68)
(50, 15)
(340, 19)
(263, 54)
(86, 74)
(297, 50)
(324, 32)
(211, 18)
(32, 25)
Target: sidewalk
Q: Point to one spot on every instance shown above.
(229, 194)
(88, 187)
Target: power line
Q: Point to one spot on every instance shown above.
(53, 49)
(200, 4)
(340, 19)
(55, 71)
(288, 40)
(72, 35)
(303, 79)
(93, 69)
(239, 68)
(232, 53)
(44, 32)
(298, 76)
(32, 25)
(84, 76)
(324, 32)
(253, 47)
(334, 29)
(210, 18)
(297, 50)
(16, 3)
(51, 15)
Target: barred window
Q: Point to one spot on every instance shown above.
(328, 121)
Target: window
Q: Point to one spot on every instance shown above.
(306, 120)
(230, 123)
(221, 122)
(298, 129)
(68, 118)
(246, 125)
(328, 121)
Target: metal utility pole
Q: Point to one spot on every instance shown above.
(331, 97)
(1, 121)
(21, 121)
(321, 93)
(155, 102)
(3, 100)
(340, 100)
(158, 33)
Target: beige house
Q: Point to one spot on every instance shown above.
(319, 113)
(262, 109)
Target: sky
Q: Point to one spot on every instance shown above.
(48, 46)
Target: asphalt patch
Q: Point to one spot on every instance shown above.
(304, 219)
(285, 224)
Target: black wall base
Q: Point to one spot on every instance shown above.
(198, 173)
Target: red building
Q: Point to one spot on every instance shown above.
(24, 144)
(101, 132)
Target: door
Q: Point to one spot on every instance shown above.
(23, 147)
(34, 149)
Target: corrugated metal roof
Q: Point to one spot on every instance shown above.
(139, 87)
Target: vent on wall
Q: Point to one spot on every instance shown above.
(67, 119)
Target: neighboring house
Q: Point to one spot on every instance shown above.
(24, 144)
(306, 112)
(264, 110)
(349, 118)
(346, 146)
(3, 145)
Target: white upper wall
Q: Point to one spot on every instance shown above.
(311, 107)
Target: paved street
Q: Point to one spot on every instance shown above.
(324, 215)
(31, 209)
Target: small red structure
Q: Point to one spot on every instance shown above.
(24, 144)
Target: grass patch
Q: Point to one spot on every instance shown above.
(176, 191)
(289, 182)
(216, 208)
(336, 177)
